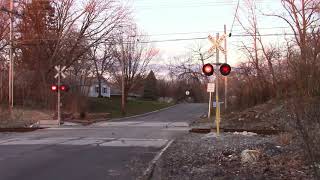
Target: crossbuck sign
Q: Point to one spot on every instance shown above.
(217, 43)
(60, 71)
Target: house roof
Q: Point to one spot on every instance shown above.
(93, 80)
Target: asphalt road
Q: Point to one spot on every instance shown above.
(121, 149)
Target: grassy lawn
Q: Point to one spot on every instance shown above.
(134, 107)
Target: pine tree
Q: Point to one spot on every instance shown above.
(150, 87)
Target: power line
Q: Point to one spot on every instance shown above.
(202, 32)
(234, 18)
(170, 3)
(189, 4)
(202, 38)
(168, 40)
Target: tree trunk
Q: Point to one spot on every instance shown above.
(43, 89)
(274, 80)
(99, 86)
(124, 103)
(1, 85)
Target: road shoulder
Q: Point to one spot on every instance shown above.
(207, 156)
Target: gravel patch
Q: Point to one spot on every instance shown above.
(198, 156)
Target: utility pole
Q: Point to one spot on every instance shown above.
(11, 75)
(1, 83)
(11, 62)
(217, 89)
(11, 59)
(225, 78)
(123, 100)
(59, 96)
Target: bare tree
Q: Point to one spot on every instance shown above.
(57, 32)
(270, 53)
(260, 56)
(190, 66)
(187, 71)
(199, 53)
(4, 42)
(131, 61)
(3, 33)
(79, 74)
(4, 28)
(250, 26)
(103, 61)
(302, 17)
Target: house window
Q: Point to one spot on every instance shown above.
(97, 89)
(104, 90)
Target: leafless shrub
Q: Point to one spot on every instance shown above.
(75, 103)
(11, 118)
(305, 124)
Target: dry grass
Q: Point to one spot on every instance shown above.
(305, 124)
(21, 118)
(285, 139)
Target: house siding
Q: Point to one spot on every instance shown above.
(105, 91)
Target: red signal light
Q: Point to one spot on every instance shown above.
(54, 88)
(207, 69)
(225, 69)
(63, 88)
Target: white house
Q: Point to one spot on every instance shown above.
(93, 88)
(90, 87)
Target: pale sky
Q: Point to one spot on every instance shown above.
(179, 19)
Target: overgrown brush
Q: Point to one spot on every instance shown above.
(305, 125)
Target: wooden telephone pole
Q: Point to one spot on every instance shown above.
(225, 78)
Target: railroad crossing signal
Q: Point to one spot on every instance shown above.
(60, 71)
(217, 43)
(64, 88)
(225, 69)
(61, 88)
(54, 88)
(207, 69)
